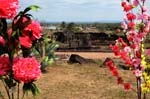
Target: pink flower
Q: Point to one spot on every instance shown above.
(127, 49)
(25, 41)
(26, 69)
(4, 65)
(136, 62)
(124, 25)
(2, 41)
(135, 2)
(8, 8)
(147, 52)
(35, 29)
(138, 73)
(144, 9)
(138, 39)
(143, 17)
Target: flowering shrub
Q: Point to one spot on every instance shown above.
(20, 36)
(132, 50)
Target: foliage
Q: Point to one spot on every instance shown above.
(45, 49)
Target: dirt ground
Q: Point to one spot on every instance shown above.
(75, 81)
(89, 55)
(86, 81)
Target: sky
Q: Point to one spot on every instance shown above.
(76, 10)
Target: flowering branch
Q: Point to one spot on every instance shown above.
(132, 51)
(20, 36)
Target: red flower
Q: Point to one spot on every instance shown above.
(109, 63)
(2, 41)
(123, 4)
(133, 46)
(8, 8)
(131, 16)
(127, 86)
(124, 45)
(138, 54)
(119, 80)
(35, 29)
(4, 65)
(26, 69)
(130, 38)
(123, 55)
(25, 41)
(127, 8)
(120, 40)
(114, 72)
(116, 49)
(131, 24)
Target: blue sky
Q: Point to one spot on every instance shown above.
(76, 10)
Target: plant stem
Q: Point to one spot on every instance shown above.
(144, 97)
(7, 91)
(139, 87)
(12, 94)
(18, 91)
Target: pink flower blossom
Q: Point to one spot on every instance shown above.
(144, 9)
(132, 33)
(138, 39)
(143, 17)
(124, 25)
(4, 65)
(138, 73)
(147, 52)
(26, 69)
(127, 49)
(136, 62)
(135, 2)
(8, 8)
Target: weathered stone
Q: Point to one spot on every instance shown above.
(74, 58)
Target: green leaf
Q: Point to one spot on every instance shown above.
(50, 61)
(32, 7)
(31, 87)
